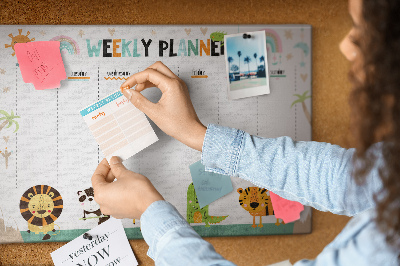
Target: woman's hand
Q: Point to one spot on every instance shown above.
(173, 113)
(127, 197)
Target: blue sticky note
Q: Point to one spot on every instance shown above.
(209, 186)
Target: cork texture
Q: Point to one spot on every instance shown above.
(331, 88)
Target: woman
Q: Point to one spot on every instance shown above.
(360, 182)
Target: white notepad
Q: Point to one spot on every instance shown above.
(118, 126)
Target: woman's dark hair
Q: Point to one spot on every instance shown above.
(375, 103)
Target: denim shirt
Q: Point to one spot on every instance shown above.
(312, 173)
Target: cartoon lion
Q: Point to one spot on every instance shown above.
(40, 206)
(257, 202)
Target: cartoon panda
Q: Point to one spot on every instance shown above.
(90, 207)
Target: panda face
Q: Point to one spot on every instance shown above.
(86, 199)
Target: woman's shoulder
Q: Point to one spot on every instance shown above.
(361, 240)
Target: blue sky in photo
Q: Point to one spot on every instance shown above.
(248, 47)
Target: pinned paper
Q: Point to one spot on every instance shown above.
(41, 64)
(108, 246)
(118, 126)
(209, 186)
(288, 211)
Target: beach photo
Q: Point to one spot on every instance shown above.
(246, 64)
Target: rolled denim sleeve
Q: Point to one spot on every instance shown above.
(315, 174)
(172, 241)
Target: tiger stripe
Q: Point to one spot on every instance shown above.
(59, 206)
(26, 215)
(48, 189)
(53, 217)
(30, 220)
(36, 221)
(44, 222)
(58, 198)
(48, 220)
(24, 210)
(34, 189)
(24, 199)
(41, 189)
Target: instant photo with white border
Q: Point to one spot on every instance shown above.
(243, 80)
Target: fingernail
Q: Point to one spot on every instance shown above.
(124, 88)
(115, 160)
(128, 94)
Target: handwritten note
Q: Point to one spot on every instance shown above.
(109, 246)
(209, 186)
(41, 64)
(288, 211)
(118, 126)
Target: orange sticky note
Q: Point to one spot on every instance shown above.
(41, 63)
(284, 209)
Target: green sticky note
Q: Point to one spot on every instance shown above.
(209, 186)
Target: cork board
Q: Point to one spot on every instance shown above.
(330, 111)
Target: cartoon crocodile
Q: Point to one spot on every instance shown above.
(218, 36)
(195, 214)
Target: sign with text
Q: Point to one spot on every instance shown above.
(108, 246)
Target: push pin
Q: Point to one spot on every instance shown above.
(87, 236)
(246, 36)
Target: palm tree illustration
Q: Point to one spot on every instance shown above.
(262, 59)
(230, 60)
(6, 154)
(239, 54)
(247, 60)
(301, 99)
(255, 57)
(8, 119)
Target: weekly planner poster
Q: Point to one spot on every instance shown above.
(49, 148)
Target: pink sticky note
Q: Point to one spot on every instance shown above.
(41, 64)
(286, 210)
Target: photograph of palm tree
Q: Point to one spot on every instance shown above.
(247, 66)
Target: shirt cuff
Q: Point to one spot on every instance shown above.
(222, 148)
(158, 219)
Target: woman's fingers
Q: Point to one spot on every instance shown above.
(141, 102)
(160, 67)
(110, 177)
(159, 80)
(119, 170)
(100, 174)
(142, 86)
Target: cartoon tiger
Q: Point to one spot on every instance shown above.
(257, 202)
(40, 206)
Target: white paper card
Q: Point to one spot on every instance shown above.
(246, 64)
(282, 263)
(118, 126)
(109, 246)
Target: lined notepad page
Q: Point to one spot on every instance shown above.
(118, 126)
